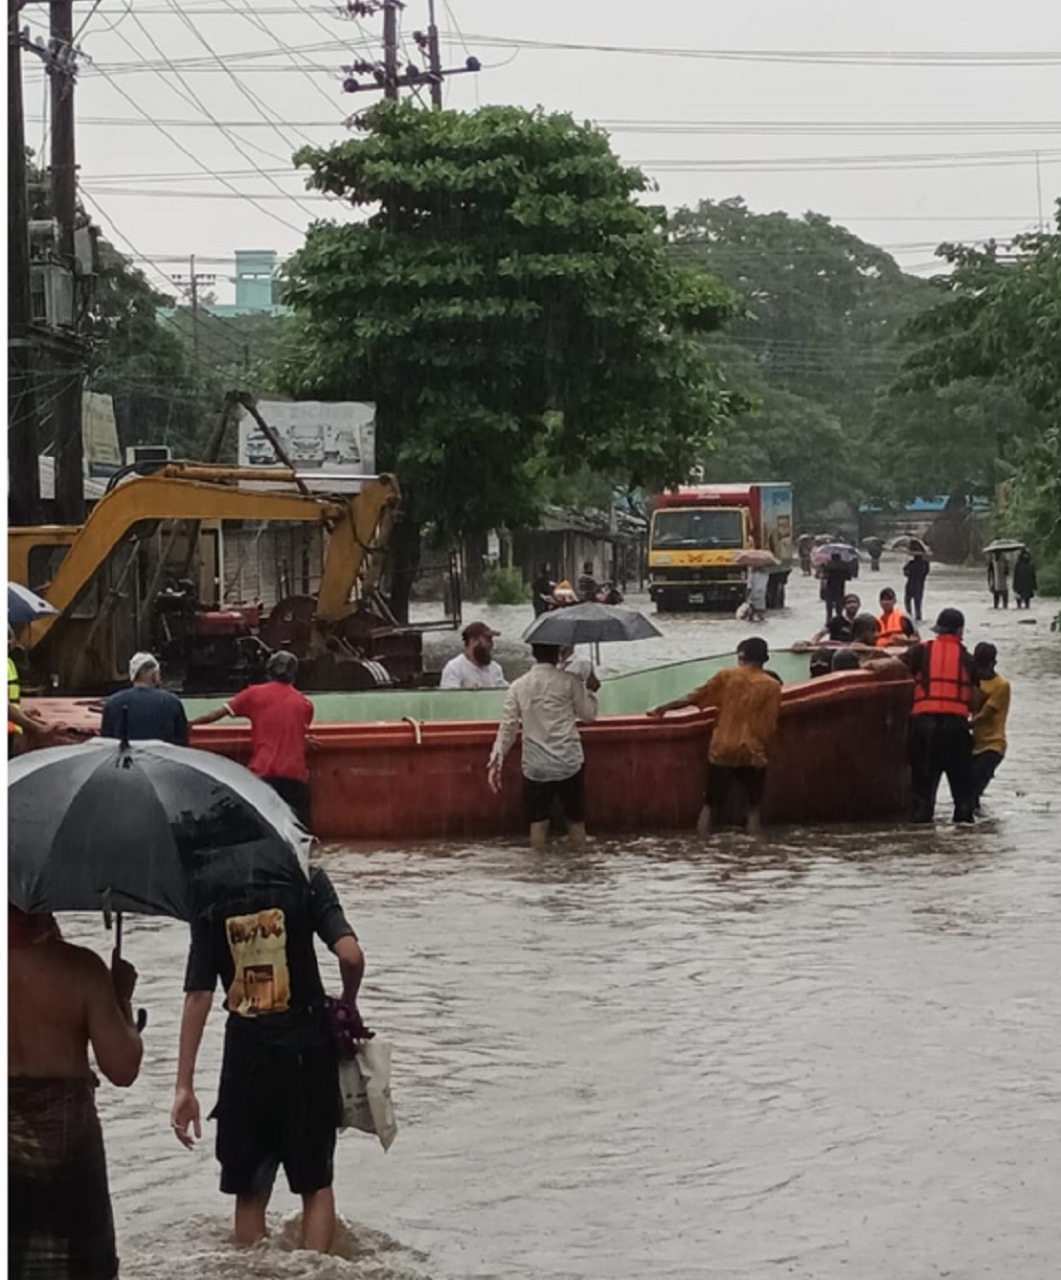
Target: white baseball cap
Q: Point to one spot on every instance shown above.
(141, 662)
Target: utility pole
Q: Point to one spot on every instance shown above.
(69, 446)
(386, 75)
(192, 281)
(22, 445)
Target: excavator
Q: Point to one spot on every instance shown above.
(160, 555)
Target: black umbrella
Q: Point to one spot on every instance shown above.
(590, 624)
(147, 827)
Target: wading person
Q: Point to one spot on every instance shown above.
(749, 703)
(915, 571)
(280, 718)
(989, 722)
(838, 629)
(1025, 579)
(547, 704)
(895, 628)
(940, 734)
(278, 1102)
(61, 1000)
(998, 580)
(835, 575)
(542, 590)
(475, 668)
(145, 709)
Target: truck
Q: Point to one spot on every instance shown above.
(698, 533)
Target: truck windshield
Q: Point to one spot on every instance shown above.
(697, 528)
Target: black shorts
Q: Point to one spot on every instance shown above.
(277, 1105)
(296, 794)
(722, 778)
(541, 797)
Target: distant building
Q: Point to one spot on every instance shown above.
(256, 286)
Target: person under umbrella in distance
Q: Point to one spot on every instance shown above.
(915, 571)
(1025, 579)
(748, 699)
(145, 710)
(835, 575)
(278, 1101)
(61, 1000)
(280, 718)
(475, 668)
(547, 704)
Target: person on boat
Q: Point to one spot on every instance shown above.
(1025, 579)
(278, 1101)
(998, 579)
(62, 999)
(542, 590)
(587, 584)
(547, 704)
(915, 571)
(475, 667)
(895, 627)
(945, 690)
(280, 718)
(989, 722)
(835, 575)
(748, 699)
(145, 710)
(838, 628)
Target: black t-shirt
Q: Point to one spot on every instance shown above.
(916, 570)
(839, 629)
(153, 713)
(259, 942)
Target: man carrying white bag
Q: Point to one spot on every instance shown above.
(364, 1075)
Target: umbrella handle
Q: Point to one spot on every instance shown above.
(118, 934)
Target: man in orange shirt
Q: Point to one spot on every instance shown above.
(749, 702)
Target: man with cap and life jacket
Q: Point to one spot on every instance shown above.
(941, 740)
(895, 627)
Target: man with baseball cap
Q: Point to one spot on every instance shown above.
(145, 710)
(475, 668)
(945, 690)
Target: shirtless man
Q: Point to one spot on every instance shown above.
(61, 999)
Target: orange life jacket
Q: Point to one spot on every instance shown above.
(945, 685)
(891, 624)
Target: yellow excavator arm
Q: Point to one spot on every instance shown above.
(358, 529)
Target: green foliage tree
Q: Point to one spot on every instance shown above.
(511, 309)
(997, 325)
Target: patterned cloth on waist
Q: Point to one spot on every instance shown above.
(60, 1224)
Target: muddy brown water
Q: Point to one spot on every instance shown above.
(830, 1053)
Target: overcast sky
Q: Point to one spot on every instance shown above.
(188, 109)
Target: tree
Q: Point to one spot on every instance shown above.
(997, 326)
(509, 307)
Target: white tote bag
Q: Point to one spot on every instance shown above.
(365, 1082)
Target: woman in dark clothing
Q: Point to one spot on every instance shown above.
(915, 571)
(1025, 581)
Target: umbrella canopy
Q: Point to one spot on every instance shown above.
(590, 624)
(823, 554)
(149, 828)
(907, 542)
(24, 606)
(1002, 545)
(757, 559)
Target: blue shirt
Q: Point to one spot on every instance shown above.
(153, 713)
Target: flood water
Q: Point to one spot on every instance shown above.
(830, 1053)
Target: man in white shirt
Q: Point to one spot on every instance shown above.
(475, 668)
(547, 704)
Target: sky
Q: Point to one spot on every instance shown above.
(911, 122)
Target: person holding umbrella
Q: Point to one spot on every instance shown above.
(915, 571)
(62, 1000)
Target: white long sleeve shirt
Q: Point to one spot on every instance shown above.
(547, 704)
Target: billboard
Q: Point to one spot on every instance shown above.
(317, 436)
(99, 433)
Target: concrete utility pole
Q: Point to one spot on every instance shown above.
(386, 75)
(69, 447)
(22, 445)
(192, 281)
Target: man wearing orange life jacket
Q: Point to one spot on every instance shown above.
(895, 627)
(940, 733)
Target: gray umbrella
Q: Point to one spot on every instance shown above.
(1001, 545)
(147, 827)
(590, 624)
(24, 605)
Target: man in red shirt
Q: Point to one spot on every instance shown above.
(280, 717)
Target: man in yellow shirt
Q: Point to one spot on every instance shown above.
(989, 722)
(749, 703)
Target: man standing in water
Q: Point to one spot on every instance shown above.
(989, 722)
(547, 703)
(278, 1102)
(61, 999)
(749, 703)
(280, 718)
(145, 710)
